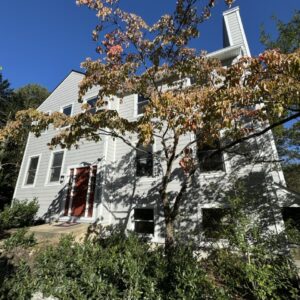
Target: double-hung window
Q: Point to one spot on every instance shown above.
(216, 222)
(32, 169)
(208, 159)
(142, 102)
(92, 108)
(144, 220)
(144, 160)
(56, 166)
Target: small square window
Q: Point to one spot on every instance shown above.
(141, 104)
(215, 222)
(209, 161)
(56, 166)
(144, 220)
(31, 173)
(144, 160)
(67, 110)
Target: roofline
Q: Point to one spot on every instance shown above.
(72, 71)
(227, 52)
(231, 10)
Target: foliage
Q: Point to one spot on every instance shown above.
(20, 238)
(287, 138)
(120, 267)
(288, 35)
(19, 214)
(243, 101)
(256, 261)
(11, 151)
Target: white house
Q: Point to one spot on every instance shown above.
(110, 183)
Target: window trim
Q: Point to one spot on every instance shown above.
(49, 112)
(89, 99)
(136, 102)
(24, 185)
(212, 172)
(153, 161)
(53, 183)
(66, 105)
(141, 220)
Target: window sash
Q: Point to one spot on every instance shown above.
(31, 173)
(92, 106)
(144, 220)
(56, 166)
(67, 110)
(210, 163)
(144, 161)
(141, 104)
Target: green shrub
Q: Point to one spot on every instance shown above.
(20, 238)
(20, 214)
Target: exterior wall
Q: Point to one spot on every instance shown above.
(118, 189)
(51, 195)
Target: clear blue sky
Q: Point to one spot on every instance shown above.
(41, 41)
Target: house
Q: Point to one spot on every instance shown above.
(111, 183)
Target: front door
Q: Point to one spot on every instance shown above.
(80, 195)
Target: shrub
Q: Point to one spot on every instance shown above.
(21, 238)
(20, 214)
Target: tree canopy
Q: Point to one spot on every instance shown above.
(242, 101)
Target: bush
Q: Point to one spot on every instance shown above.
(21, 238)
(20, 214)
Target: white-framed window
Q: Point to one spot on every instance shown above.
(56, 166)
(67, 110)
(144, 220)
(142, 102)
(92, 109)
(144, 160)
(208, 161)
(32, 170)
(47, 113)
(216, 222)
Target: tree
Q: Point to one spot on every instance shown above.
(287, 137)
(135, 57)
(11, 152)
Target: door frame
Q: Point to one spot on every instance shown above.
(85, 217)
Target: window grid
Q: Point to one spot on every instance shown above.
(144, 161)
(144, 220)
(31, 173)
(56, 166)
(141, 104)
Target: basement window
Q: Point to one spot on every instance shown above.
(291, 218)
(215, 222)
(144, 220)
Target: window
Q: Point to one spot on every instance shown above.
(209, 162)
(215, 222)
(67, 110)
(144, 220)
(141, 104)
(92, 105)
(291, 218)
(33, 164)
(56, 166)
(144, 160)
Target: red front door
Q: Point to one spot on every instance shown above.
(80, 192)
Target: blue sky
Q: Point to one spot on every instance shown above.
(41, 41)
